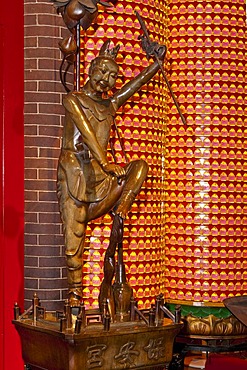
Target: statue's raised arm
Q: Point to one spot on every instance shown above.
(151, 49)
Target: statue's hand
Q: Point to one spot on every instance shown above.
(153, 48)
(160, 51)
(114, 169)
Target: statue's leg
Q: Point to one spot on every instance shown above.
(106, 291)
(122, 194)
(74, 219)
(75, 231)
(120, 200)
(136, 173)
(74, 269)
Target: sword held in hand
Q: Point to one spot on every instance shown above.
(146, 34)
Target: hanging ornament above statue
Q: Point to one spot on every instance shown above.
(76, 14)
(82, 12)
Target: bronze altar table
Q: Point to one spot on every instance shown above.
(49, 343)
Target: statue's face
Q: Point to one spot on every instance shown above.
(103, 75)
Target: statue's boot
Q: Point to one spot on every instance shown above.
(75, 286)
(106, 291)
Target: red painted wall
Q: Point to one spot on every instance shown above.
(12, 178)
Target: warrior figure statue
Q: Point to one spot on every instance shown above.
(89, 186)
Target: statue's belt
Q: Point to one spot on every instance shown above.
(84, 155)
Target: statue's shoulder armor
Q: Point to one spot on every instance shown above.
(100, 110)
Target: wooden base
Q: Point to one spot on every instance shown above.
(126, 345)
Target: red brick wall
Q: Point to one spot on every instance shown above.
(45, 271)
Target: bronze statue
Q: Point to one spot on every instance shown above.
(88, 185)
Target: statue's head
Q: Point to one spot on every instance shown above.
(103, 70)
(105, 53)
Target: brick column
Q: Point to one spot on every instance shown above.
(44, 254)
